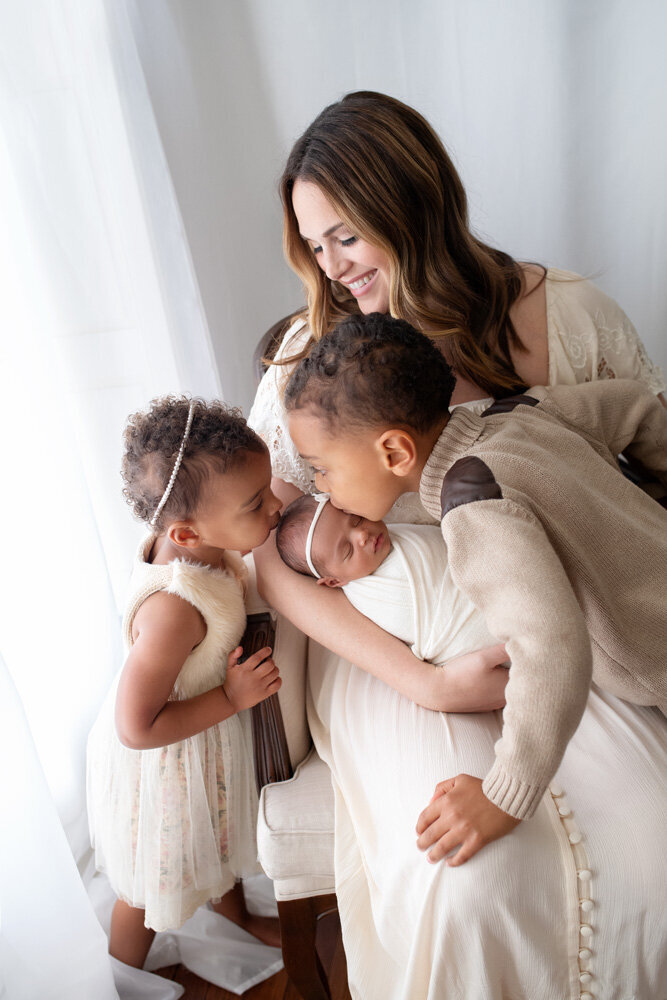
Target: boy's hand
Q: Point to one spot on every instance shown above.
(460, 815)
(252, 681)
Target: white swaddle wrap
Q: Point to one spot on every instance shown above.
(412, 595)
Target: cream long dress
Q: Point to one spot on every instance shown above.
(174, 826)
(571, 904)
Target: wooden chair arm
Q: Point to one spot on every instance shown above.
(269, 743)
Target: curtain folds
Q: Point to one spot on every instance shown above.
(51, 945)
(100, 311)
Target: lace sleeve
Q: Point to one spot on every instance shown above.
(590, 337)
(268, 417)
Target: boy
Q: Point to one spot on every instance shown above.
(566, 559)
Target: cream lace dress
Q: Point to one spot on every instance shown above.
(174, 827)
(571, 904)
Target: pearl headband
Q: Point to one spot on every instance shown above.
(177, 465)
(322, 501)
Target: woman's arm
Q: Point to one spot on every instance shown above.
(166, 630)
(472, 683)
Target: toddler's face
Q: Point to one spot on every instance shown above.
(348, 466)
(239, 510)
(347, 546)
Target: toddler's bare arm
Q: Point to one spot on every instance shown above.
(166, 630)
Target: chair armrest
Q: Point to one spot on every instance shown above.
(269, 743)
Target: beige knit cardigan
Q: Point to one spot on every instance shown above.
(563, 555)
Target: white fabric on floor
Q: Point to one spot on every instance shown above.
(211, 946)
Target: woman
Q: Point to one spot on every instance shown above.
(376, 219)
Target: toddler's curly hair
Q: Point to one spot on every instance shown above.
(219, 441)
(373, 370)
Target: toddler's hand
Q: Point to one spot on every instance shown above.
(460, 815)
(252, 681)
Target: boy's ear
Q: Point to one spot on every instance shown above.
(398, 451)
(329, 581)
(183, 533)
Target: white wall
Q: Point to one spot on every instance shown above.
(554, 113)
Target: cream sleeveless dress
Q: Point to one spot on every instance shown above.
(570, 906)
(174, 827)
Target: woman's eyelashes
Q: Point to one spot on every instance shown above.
(348, 242)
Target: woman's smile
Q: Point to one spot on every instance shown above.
(359, 286)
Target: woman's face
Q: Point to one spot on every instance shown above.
(362, 268)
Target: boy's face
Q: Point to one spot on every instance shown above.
(349, 466)
(348, 546)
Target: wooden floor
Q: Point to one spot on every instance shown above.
(278, 987)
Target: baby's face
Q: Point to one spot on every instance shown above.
(346, 546)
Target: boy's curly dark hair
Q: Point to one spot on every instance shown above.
(292, 532)
(370, 371)
(219, 441)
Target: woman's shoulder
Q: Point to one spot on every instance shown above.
(295, 339)
(268, 417)
(591, 337)
(572, 294)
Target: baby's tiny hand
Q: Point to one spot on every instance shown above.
(460, 815)
(250, 682)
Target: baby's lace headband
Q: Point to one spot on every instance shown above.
(177, 465)
(322, 501)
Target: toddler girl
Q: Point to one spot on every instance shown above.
(171, 795)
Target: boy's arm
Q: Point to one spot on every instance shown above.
(500, 556)
(623, 414)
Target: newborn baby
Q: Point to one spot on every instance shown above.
(397, 577)
(346, 548)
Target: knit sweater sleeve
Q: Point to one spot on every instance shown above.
(620, 414)
(500, 556)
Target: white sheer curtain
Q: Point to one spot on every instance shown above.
(99, 311)
(42, 898)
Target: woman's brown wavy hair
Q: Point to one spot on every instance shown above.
(390, 179)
